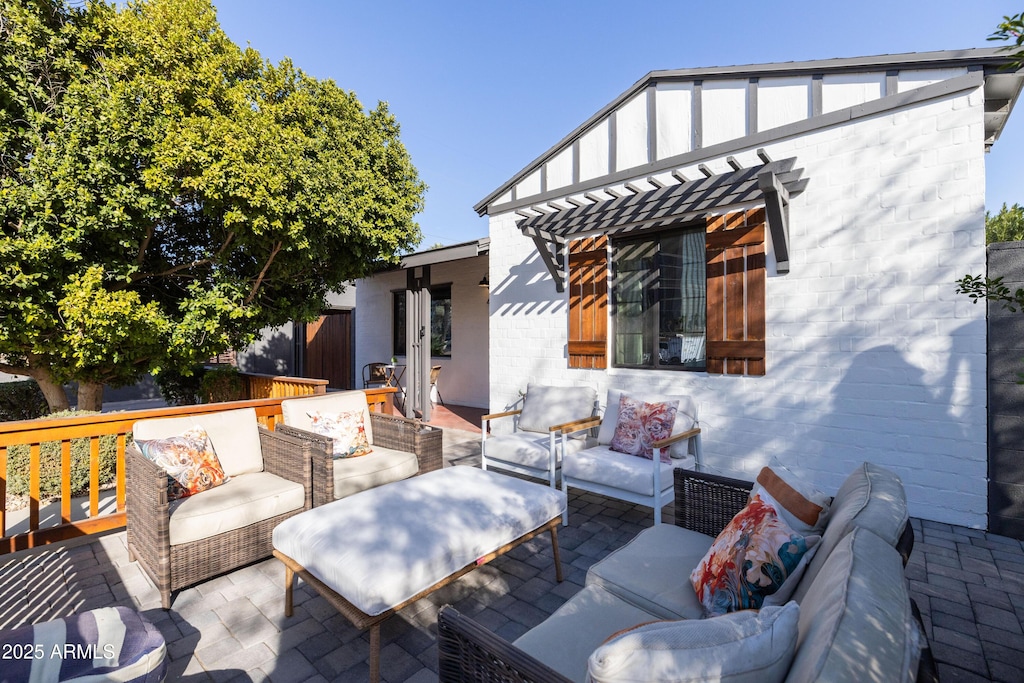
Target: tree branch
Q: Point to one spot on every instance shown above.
(266, 266)
(144, 246)
(185, 266)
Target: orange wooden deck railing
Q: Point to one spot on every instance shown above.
(34, 433)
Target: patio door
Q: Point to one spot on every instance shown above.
(329, 344)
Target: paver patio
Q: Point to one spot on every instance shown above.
(969, 585)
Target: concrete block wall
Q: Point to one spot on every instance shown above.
(871, 354)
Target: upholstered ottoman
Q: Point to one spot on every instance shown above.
(377, 551)
(112, 643)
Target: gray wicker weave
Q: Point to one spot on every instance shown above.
(174, 567)
(389, 431)
(469, 653)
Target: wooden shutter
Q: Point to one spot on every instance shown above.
(736, 293)
(588, 303)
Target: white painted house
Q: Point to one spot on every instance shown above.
(781, 242)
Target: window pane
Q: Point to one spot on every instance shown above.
(633, 288)
(441, 321)
(682, 295)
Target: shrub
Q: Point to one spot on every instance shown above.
(180, 389)
(21, 401)
(49, 464)
(223, 384)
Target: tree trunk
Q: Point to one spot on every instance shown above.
(90, 396)
(53, 392)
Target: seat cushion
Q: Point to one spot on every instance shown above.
(127, 648)
(602, 465)
(565, 640)
(382, 466)
(650, 571)
(873, 498)
(743, 647)
(856, 623)
(234, 433)
(546, 406)
(243, 500)
(527, 449)
(296, 412)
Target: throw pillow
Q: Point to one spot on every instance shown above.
(346, 431)
(744, 647)
(803, 506)
(191, 464)
(749, 560)
(641, 424)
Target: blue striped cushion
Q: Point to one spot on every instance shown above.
(102, 641)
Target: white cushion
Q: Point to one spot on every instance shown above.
(565, 639)
(602, 465)
(387, 544)
(234, 433)
(743, 647)
(382, 466)
(546, 406)
(527, 449)
(856, 624)
(686, 417)
(296, 411)
(243, 500)
(661, 555)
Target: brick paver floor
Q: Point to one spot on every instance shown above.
(969, 585)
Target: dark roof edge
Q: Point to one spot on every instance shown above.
(946, 58)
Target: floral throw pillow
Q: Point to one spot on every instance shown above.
(641, 424)
(345, 429)
(191, 464)
(749, 560)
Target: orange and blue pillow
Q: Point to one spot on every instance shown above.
(346, 430)
(191, 464)
(641, 424)
(750, 560)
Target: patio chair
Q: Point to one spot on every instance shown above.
(182, 542)
(534, 447)
(401, 448)
(375, 375)
(631, 478)
(435, 373)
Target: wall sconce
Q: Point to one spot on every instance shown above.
(484, 282)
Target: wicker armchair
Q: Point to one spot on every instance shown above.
(172, 557)
(469, 653)
(402, 447)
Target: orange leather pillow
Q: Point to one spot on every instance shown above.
(788, 497)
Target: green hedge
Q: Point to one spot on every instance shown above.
(21, 401)
(49, 458)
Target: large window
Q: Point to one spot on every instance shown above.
(659, 301)
(440, 321)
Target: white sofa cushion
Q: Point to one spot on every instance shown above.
(742, 647)
(382, 466)
(873, 498)
(296, 411)
(602, 465)
(243, 500)
(546, 406)
(660, 555)
(527, 449)
(234, 433)
(565, 640)
(856, 624)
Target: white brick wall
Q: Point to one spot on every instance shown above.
(871, 354)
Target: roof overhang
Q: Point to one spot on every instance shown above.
(772, 184)
(454, 252)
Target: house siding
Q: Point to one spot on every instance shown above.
(870, 353)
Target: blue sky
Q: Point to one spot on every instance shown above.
(481, 88)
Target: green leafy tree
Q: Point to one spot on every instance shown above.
(165, 194)
(1012, 28)
(1005, 226)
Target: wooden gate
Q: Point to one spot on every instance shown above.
(329, 345)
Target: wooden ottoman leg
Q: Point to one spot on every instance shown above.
(375, 653)
(554, 550)
(289, 581)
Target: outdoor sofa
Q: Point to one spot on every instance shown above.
(854, 622)
(401, 448)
